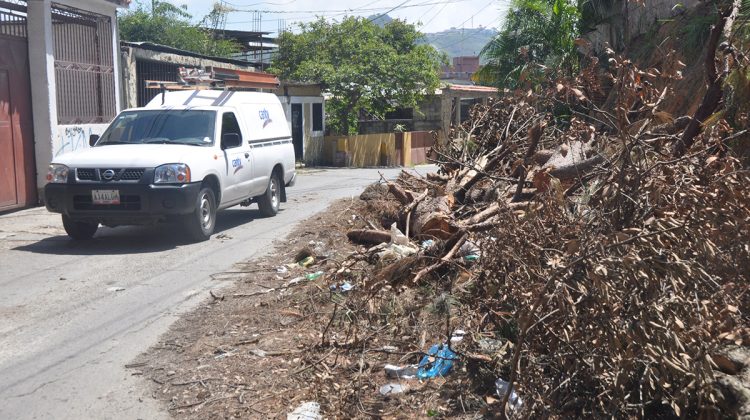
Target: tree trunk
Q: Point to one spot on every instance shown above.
(368, 237)
(714, 93)
(433, 217)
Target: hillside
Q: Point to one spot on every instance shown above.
(461, 41)
(455, 42)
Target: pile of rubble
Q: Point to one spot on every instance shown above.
(590, 268)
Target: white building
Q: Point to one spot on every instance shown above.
(59, 83)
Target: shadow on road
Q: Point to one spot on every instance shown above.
(136, 239)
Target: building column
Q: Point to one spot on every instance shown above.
(117, 64)
(445, 116)
(129, 78)
(42, 74)
(457, 110)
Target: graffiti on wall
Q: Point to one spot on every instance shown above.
(75, 137)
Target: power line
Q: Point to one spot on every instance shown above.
(374, 9)
(262, 2)
(389, 11)
(306, 15)
(463, 38)
(436, 15)
(311, 15)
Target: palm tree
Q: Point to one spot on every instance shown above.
(538, 38)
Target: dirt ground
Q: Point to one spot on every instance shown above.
(255, 350)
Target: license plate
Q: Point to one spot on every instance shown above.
(105, 196)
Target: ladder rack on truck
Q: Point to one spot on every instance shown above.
(216, 78)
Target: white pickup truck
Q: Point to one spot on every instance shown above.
(183, 156)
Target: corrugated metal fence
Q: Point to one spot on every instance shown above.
(372, 150)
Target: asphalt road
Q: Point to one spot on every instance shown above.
(75, 313)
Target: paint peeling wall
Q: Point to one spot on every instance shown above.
(74, 137)
(312, 140)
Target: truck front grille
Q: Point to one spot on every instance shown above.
(86, 174)
(132, 174)
(120, 174)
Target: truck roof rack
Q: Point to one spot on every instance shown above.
(216, 78)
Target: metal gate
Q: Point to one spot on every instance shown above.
(17, 180)
(84, 68)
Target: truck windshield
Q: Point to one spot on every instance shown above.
(189, 127)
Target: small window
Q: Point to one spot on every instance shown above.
(400, 114)
(317, 117)
(229, 125)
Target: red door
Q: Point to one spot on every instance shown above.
(17, 171)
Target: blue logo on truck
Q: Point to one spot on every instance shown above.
(237, 164)
(265, 116)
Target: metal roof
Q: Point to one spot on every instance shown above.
(150, 46)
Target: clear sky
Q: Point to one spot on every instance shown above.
(435, 15)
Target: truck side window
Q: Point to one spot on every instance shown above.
(229, 124)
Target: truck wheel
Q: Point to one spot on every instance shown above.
(268, 203)
(201, 222)
(79, 230)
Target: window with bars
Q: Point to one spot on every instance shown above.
(84, 66)
(13, 18)
(153, 70)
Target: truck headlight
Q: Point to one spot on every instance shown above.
(172, 173)
(57, 174)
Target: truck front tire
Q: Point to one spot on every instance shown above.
(79, 230)
(200, 224)
(268, 203)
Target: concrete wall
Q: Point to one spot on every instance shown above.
(70, 138)
(426, 118)
(129, 56)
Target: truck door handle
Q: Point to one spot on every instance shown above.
(247, 155)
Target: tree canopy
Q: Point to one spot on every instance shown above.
(365, 67)
(538, 38)
(170, 25)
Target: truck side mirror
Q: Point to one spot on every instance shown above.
(93, 139)
(229, 140)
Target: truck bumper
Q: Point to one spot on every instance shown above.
(139, 203)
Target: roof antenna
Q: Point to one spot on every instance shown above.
(163, 92)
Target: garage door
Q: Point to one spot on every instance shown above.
(17, 175)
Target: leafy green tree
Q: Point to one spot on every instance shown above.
(170, 25)
(366, 68)
(538, 38)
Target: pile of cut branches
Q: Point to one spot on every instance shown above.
(593, 267)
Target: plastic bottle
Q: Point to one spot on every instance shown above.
(514, 401)
(313, 276)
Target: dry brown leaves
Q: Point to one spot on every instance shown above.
(604, 293)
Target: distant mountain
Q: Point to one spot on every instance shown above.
(458, 42)
(380, 20)
(455, 42)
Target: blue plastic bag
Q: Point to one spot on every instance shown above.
(438, 362)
